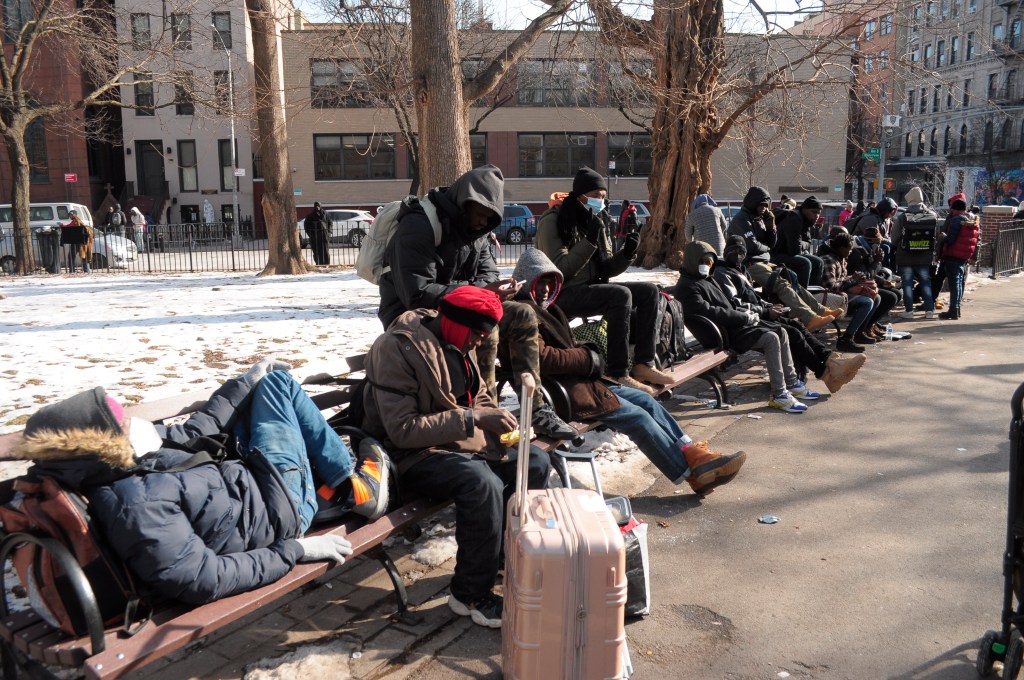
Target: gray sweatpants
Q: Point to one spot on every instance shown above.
(774, 345)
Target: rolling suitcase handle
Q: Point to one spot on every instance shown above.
(525, 435)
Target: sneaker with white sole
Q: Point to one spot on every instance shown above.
(485, 612)
(909, 314)
(800, 389)
(787, 402)
(929, 315)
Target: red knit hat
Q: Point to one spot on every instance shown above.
(961, 197)
(468, 308)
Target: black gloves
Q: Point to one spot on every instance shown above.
(630, 244)
(596, 361)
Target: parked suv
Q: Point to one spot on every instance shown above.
(107, 251)
(347, 226)
(642, 213)
(517, 226)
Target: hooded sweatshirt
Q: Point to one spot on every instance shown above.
(751, 226)
(705, 222)
(422, 273)
(702, 296)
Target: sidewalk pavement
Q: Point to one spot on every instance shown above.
(886, 562)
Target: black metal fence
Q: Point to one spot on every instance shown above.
(1008, 249)
(206, 247)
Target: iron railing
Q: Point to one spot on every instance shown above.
(1007, 255)
(207, 247)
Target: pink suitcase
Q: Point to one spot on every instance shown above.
(565, 581)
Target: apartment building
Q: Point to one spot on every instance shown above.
(564, 106)
(179, 164)
(954, 78)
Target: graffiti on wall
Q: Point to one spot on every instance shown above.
(994, 189)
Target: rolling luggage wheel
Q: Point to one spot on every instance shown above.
(1014, 656)
(987, 655)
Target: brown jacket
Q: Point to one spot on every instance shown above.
(561, 357)
(408, 401)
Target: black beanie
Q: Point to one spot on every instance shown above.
(959, 204)
(87, 409)
(586, 181)
(735, 245)
(811, 202)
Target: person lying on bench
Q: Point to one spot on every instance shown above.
(426, 403)
(197, 533)
(633, 412)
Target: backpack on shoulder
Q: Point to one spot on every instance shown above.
(670, 347)
(919, 232)
(370, 260)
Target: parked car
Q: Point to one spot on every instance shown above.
(518, 225)
(108, 250)
(642, 213)
(347, 226)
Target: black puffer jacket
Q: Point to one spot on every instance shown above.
(422, 273)
(704, 297)
(751, 226)
(205, 533)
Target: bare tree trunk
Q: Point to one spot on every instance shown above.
(686, 122)
(285, 253)
(18, 156)
(441, 113)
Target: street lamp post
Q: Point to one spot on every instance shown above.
(234, 160)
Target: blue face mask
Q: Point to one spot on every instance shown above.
(595, 204)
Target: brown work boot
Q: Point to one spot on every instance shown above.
(628, 381)
(817, 322)
(840, 370)
(709, 469)
(649, 374)
(837, 313)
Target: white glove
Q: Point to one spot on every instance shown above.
(261, 368)
(753, 318)
(326, 547)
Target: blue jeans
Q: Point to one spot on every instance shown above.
(808, 268)
(956, 275)
(655, 432)
(923, 272)
(859, 308)
(287, 427)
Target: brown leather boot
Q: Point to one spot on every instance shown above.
(840, 370)
(649, 374)
(629, 381)
(817, 322)
(709, 469)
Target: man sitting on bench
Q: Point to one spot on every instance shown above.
(426, 403)
(633, 412)
(198, 532)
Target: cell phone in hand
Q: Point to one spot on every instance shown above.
(784, 310)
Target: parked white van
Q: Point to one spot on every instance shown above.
(108, 251)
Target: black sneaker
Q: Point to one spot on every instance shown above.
(485, 612)
(370, 481)
(846, 344)
(546, 423)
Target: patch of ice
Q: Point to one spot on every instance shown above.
(328, 660)
(435, 551)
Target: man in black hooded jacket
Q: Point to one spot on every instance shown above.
(419, 273)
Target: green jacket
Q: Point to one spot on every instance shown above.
(579, 260)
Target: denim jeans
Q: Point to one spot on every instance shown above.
(956, 274)
(481, 491)
(614, 302)
(287, 427)
(808, 268)
(859, 308)
(923, 272)
(653, 429)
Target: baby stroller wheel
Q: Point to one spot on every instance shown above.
(986, 656)
(1014, 657)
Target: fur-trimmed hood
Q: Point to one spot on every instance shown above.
(112, 448)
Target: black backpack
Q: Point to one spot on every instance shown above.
(671, 344)
(918, 232)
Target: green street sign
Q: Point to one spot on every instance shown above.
(873, 154)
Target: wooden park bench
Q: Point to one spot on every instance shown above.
(28, 642)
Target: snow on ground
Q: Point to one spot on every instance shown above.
(328, 660)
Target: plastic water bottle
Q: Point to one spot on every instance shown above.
(888, 331)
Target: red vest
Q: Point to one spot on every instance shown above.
(966, 241)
